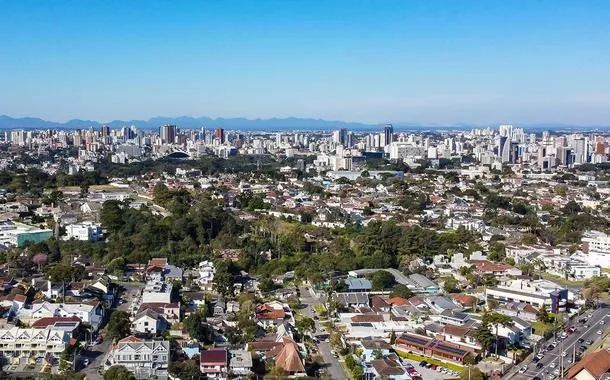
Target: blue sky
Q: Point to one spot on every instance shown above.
(528, 61)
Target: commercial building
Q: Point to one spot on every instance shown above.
(17, 234)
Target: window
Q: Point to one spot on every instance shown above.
(145, 323)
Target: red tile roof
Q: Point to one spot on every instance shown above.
(596, 363)
(48, 321)
(131, 339)
(397, 301)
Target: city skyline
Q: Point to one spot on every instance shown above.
(369, 62)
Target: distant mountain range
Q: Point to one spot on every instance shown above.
(273, 124)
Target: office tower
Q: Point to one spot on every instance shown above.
(580, 146)
(388, 132)
(168, 134)
(219, 134)
(105, 131)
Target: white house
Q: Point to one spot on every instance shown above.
(148, 322)
(145, 358)
(17, 342)
(87, 231)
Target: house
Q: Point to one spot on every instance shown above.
(421, 284)
(358, 285)
(148, 322)
(288, 357)
(240, 362)
(373, 346)
(455, 318)
(168, 311)
(214, 363)
(144, 358)
(593, 366)
(486, 267)
(90, 312)
(87, 231)
(270, 314)
(461, 335)
(439, 304)
(389, 368)
(355, 300)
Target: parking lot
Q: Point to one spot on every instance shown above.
(428, 373)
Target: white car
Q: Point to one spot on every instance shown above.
(553, 365)
(523, 369)
(602, 322)
(599, 332)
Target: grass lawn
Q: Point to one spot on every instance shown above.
(561, 279)
(419, 358)
(541, 328)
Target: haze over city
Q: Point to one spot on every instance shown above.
(479, 62)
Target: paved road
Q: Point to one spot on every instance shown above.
(599, 321)
(97, 353)
(333, 367)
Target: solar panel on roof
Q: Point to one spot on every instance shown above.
(362, 324)
(453, 350)
(65, 324)
(414, 339)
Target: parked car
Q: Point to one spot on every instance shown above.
(523, 369)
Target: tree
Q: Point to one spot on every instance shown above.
(497, 319)
(401, 290)
(305, 325)
(197, 327)
(543, 314)
(118, 372)
(186, 370)
(392, 337)
(484, 336)
(472, 373)
(266, 285)
(450, 285)
(382, 279)
(119, 325)
(111, 216)
(60, 272)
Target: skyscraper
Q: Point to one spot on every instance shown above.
(220, 135)
(168, 133)
(388, 132)
(105, 130)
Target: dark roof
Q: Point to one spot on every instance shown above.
(215, 355)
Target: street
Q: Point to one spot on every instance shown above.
(333, 367)
(554, 359)
(96, 353)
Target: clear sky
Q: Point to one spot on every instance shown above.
(428, 61)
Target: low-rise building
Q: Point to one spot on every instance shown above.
(214, 363)
(18, 342)
(145, 358)
(87, 231)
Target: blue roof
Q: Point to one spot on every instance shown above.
(358, 284)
